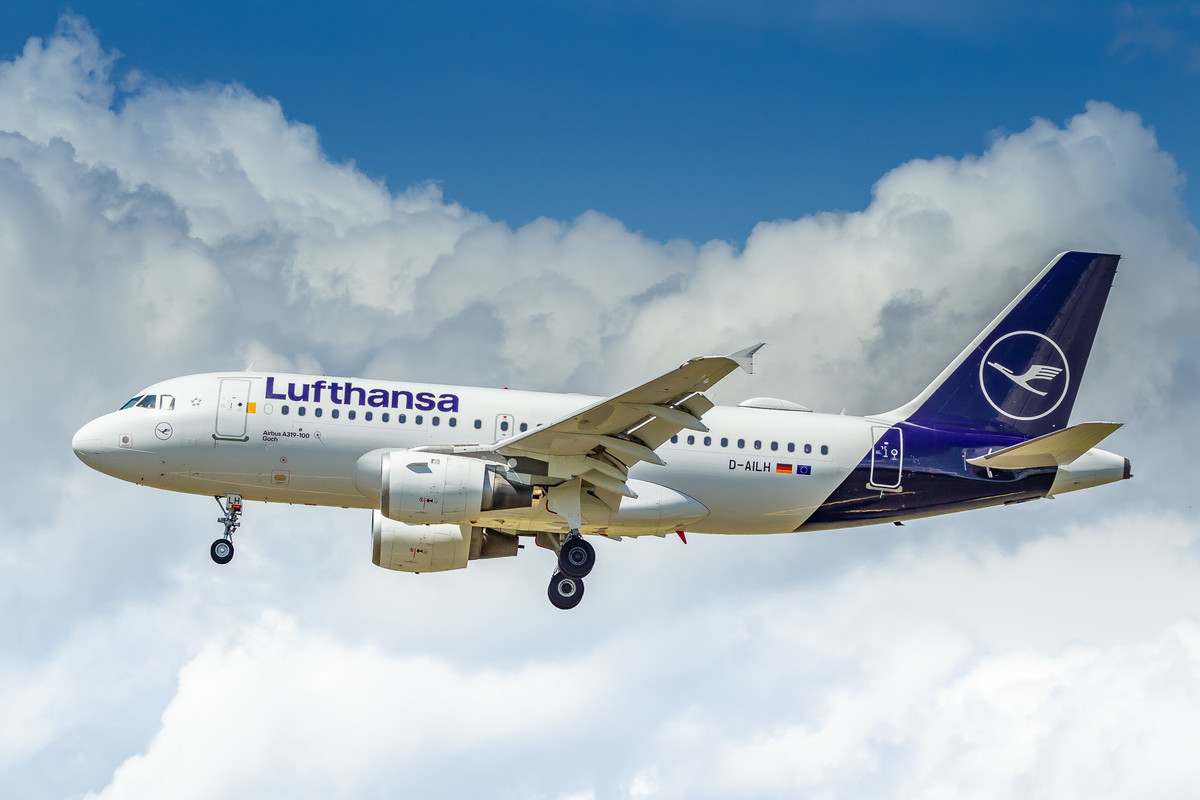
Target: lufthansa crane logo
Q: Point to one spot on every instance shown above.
(1038, 372)
(1024, 375)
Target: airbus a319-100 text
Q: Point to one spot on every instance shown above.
(452, 474)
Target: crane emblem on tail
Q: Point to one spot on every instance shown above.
(1037, 372)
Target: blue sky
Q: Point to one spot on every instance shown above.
(681, 119)
(578, 196)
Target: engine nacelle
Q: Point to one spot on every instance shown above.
(424, 488)
(434, 548)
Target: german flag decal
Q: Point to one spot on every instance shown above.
(786, 469)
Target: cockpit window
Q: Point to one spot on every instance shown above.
(166, 402)
(147, 402)
(131, 403)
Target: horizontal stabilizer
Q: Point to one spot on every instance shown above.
(1052, 450)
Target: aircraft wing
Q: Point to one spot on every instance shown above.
(598, 444)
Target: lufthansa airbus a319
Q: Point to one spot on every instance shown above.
(452, 474)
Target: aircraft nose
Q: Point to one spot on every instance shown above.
(87, 444)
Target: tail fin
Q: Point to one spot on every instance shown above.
(1020, 376)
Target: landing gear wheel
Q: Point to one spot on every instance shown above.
(565, 592)
(576, 558)
(221, 551)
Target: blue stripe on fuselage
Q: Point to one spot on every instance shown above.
(935, 478)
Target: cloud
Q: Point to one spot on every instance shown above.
(148, 230)
(944, 689)
(237, 706)
(1168, 32)
(941, 669)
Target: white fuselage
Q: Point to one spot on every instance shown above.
(756, 470)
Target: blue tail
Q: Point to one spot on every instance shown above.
(1020, 376)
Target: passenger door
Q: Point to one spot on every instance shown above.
(232, 407)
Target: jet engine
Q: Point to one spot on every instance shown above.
(434, 548)
(419, 487)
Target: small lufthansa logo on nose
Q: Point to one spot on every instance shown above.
(163, 430)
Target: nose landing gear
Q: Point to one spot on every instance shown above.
(222, 549)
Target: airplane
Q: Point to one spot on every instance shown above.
(453, 474)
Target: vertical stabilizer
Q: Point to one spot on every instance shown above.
(1020, 376)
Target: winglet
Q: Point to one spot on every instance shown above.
(745, 358)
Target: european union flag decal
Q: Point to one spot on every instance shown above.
(803, 469)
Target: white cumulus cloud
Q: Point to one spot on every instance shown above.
(149, 230)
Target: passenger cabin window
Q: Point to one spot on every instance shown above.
(300, 411)
(401, 418)
(757, 444)
(367, 416)
(824, 449)
(774, 445)
(741, 443)
(724, 441)
(453, 421)
(385, 416)
(147, 402)
(350, 414)
(791, 447)
(166, 402)
(675, 439)
(478, 424)
(417, 419)
(691, 440)
(707, 441)
(524, 427)
(334, 413)
(808, 448)
(283, 410)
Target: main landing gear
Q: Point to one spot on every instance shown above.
(222, 549)
(576, 557)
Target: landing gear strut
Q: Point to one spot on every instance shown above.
(222, 549)
(576, 557)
